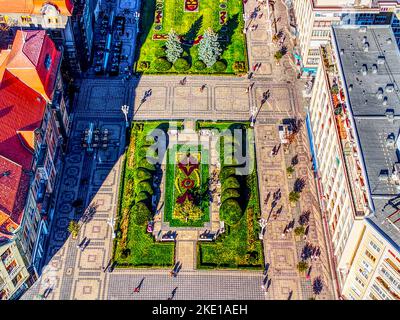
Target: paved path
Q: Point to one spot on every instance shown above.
(76, 274)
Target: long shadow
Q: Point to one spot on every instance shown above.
(89, 175)
(227, 31)
(190, 36)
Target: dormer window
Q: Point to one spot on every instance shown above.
(47, 62)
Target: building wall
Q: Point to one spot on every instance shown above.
(335, 194)
(375, 272)
(13, 270)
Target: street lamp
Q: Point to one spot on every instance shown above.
(136, 16)
(125, 110)
(111, 222)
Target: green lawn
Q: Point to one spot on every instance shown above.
(239, 246)
(134, 247)
(190, 25)
(172, 192)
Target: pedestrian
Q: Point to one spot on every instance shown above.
(247, 90)
(261, 14)
(203, 87)
(172, 273)
(255, 67)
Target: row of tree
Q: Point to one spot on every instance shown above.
(209, 47)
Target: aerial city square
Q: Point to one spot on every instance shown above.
(199, 150)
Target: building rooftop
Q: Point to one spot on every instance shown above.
(65, 7)
(369, 60)
(27, 78)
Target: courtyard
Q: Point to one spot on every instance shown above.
(200, 196)
(190, 19)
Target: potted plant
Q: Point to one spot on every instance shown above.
(294, 196)
(74, 228)
(278, 56)
(302, 266)
(289, 171)
(299, 231)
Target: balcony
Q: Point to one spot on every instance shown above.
(345, 133)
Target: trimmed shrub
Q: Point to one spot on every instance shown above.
(230, 212)
(160, 52)
(199, 65)
(141, 213)
(181, 64)
(230, 183)
(162, 64)
(144, 163)
(239, 66)
(144, 65)
(226, 172)
(220, 66)
(142, 174)
(143, 196)
(229, 194)
(144, 186)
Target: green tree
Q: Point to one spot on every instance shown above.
(209, 48)
(162, 64)
(294, 197)
(73, 228)
(141, 213)
(187, 211)
(229, 183)
(302, 266)
(181, 64)
(230, 212)
(229, 194)
(278, 55)
(173, 47)
(289, 170)
(299, 231)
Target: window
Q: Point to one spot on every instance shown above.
(374, 246)
(47, 62)
(360, 282)
(370, 256)
(26, 19)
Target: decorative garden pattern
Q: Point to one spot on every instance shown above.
(187, 203)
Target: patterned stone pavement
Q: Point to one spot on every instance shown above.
(76, 274)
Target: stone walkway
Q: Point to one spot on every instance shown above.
(76, 274)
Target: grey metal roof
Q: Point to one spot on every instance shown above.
(367, 91)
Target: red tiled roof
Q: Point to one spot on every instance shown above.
(34, 6)
(25, 85)
(14, 184)
(27, 59)
(21, 109)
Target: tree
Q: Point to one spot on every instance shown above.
(181, 64)
(231, 212)
(289, 170)
(302, 266)
(209, 48)
(187, 211)
(162, 64)
(278, 55)
(294, 197)
(299, 231)
(173, 47)
(142, 213)
(73, 228)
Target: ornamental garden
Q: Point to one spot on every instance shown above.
(192, 37)
(189, 176)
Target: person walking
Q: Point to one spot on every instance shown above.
(137, 288)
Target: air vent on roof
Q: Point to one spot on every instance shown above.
(381, 59)
(389, 40)
(363, 29)
(374, 68)
(364, 69)
(379, 94)
(390, 141)
(384, 102)
(350, 87)
(395, 176)
(365, 47)
(341, 51)
(389, 87)
(390, 114)
(364, 39)
(384, 175)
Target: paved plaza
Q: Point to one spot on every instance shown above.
(76, 274)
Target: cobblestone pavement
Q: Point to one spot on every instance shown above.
(76, 274)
